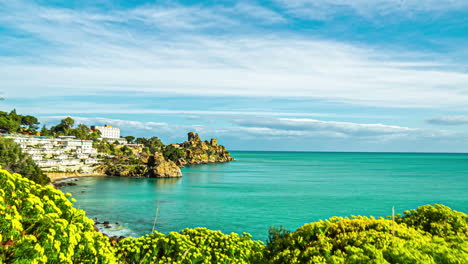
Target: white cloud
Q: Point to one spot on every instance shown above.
(449, 120)
(324, 9)
(331, 129)
(88, 53)
(130, 127)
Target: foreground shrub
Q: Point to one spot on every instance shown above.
(438, 220)
(198, 245)
(39, 225)
(368, 240)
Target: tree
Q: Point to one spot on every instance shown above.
(130, 139)
(172, 153)
(81, 132)
(64, 128)
(30, 122)
(67, 123)
(143, 141)
(45, 132)
(14, 160)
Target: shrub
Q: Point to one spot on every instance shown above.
(39, 225)
(438, 220)
(366, 240)
(198, 245)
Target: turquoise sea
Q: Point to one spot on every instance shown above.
(262, 189)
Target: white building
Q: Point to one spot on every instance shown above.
(108, 131)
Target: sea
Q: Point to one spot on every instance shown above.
(264, 189)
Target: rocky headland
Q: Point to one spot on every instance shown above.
(165, 163)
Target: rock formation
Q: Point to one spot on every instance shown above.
(199, 152)
(164, 169)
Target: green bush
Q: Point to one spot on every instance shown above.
(438, 220)
(369, 240)
(198, 245)
(40, 225)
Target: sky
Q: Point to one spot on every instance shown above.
(278, 75)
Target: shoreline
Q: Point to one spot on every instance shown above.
(57, 177)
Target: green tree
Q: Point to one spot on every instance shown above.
(14, 160)
(45, 132)
(130, 139)
(68, 122)
(81, 132)
(30, 122)
(172, 153)
(64, 128)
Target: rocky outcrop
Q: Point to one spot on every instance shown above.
(201, 152)
(164, 169)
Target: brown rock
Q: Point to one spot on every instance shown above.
(166, 169)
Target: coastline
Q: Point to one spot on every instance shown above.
(57, 177)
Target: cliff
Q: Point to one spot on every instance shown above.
(196, 151)
(142, 166)
(156, 160)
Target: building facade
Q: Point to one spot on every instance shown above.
(108, 131)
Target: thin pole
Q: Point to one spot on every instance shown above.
(156, 218)
(393, 220)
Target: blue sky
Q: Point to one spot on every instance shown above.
(323, 75)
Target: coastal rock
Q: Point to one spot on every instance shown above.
(158, 158)
(166, 169)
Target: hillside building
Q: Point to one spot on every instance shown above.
(108, 131)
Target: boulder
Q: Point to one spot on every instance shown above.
(166, 169)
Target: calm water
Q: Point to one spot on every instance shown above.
(277, 188)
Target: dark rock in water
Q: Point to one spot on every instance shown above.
(59, 185)
(106, 222)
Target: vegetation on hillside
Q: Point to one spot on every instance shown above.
(145, 159)
(13, 159)
(39, 225)
(15, 123)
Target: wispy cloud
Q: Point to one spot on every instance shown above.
(449, 120)
(325, 9)
(342, 129)
(132, 127)
(88, 52)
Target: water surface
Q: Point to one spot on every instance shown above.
(261, 189)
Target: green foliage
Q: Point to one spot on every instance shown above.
(14, 160)
(198, 245)
(12, 122)
(130, 139)
(45, 132)
(438, 220)
(172, 153)
(40, 225)
(369, 240)
(154, 144)
(30, 122)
